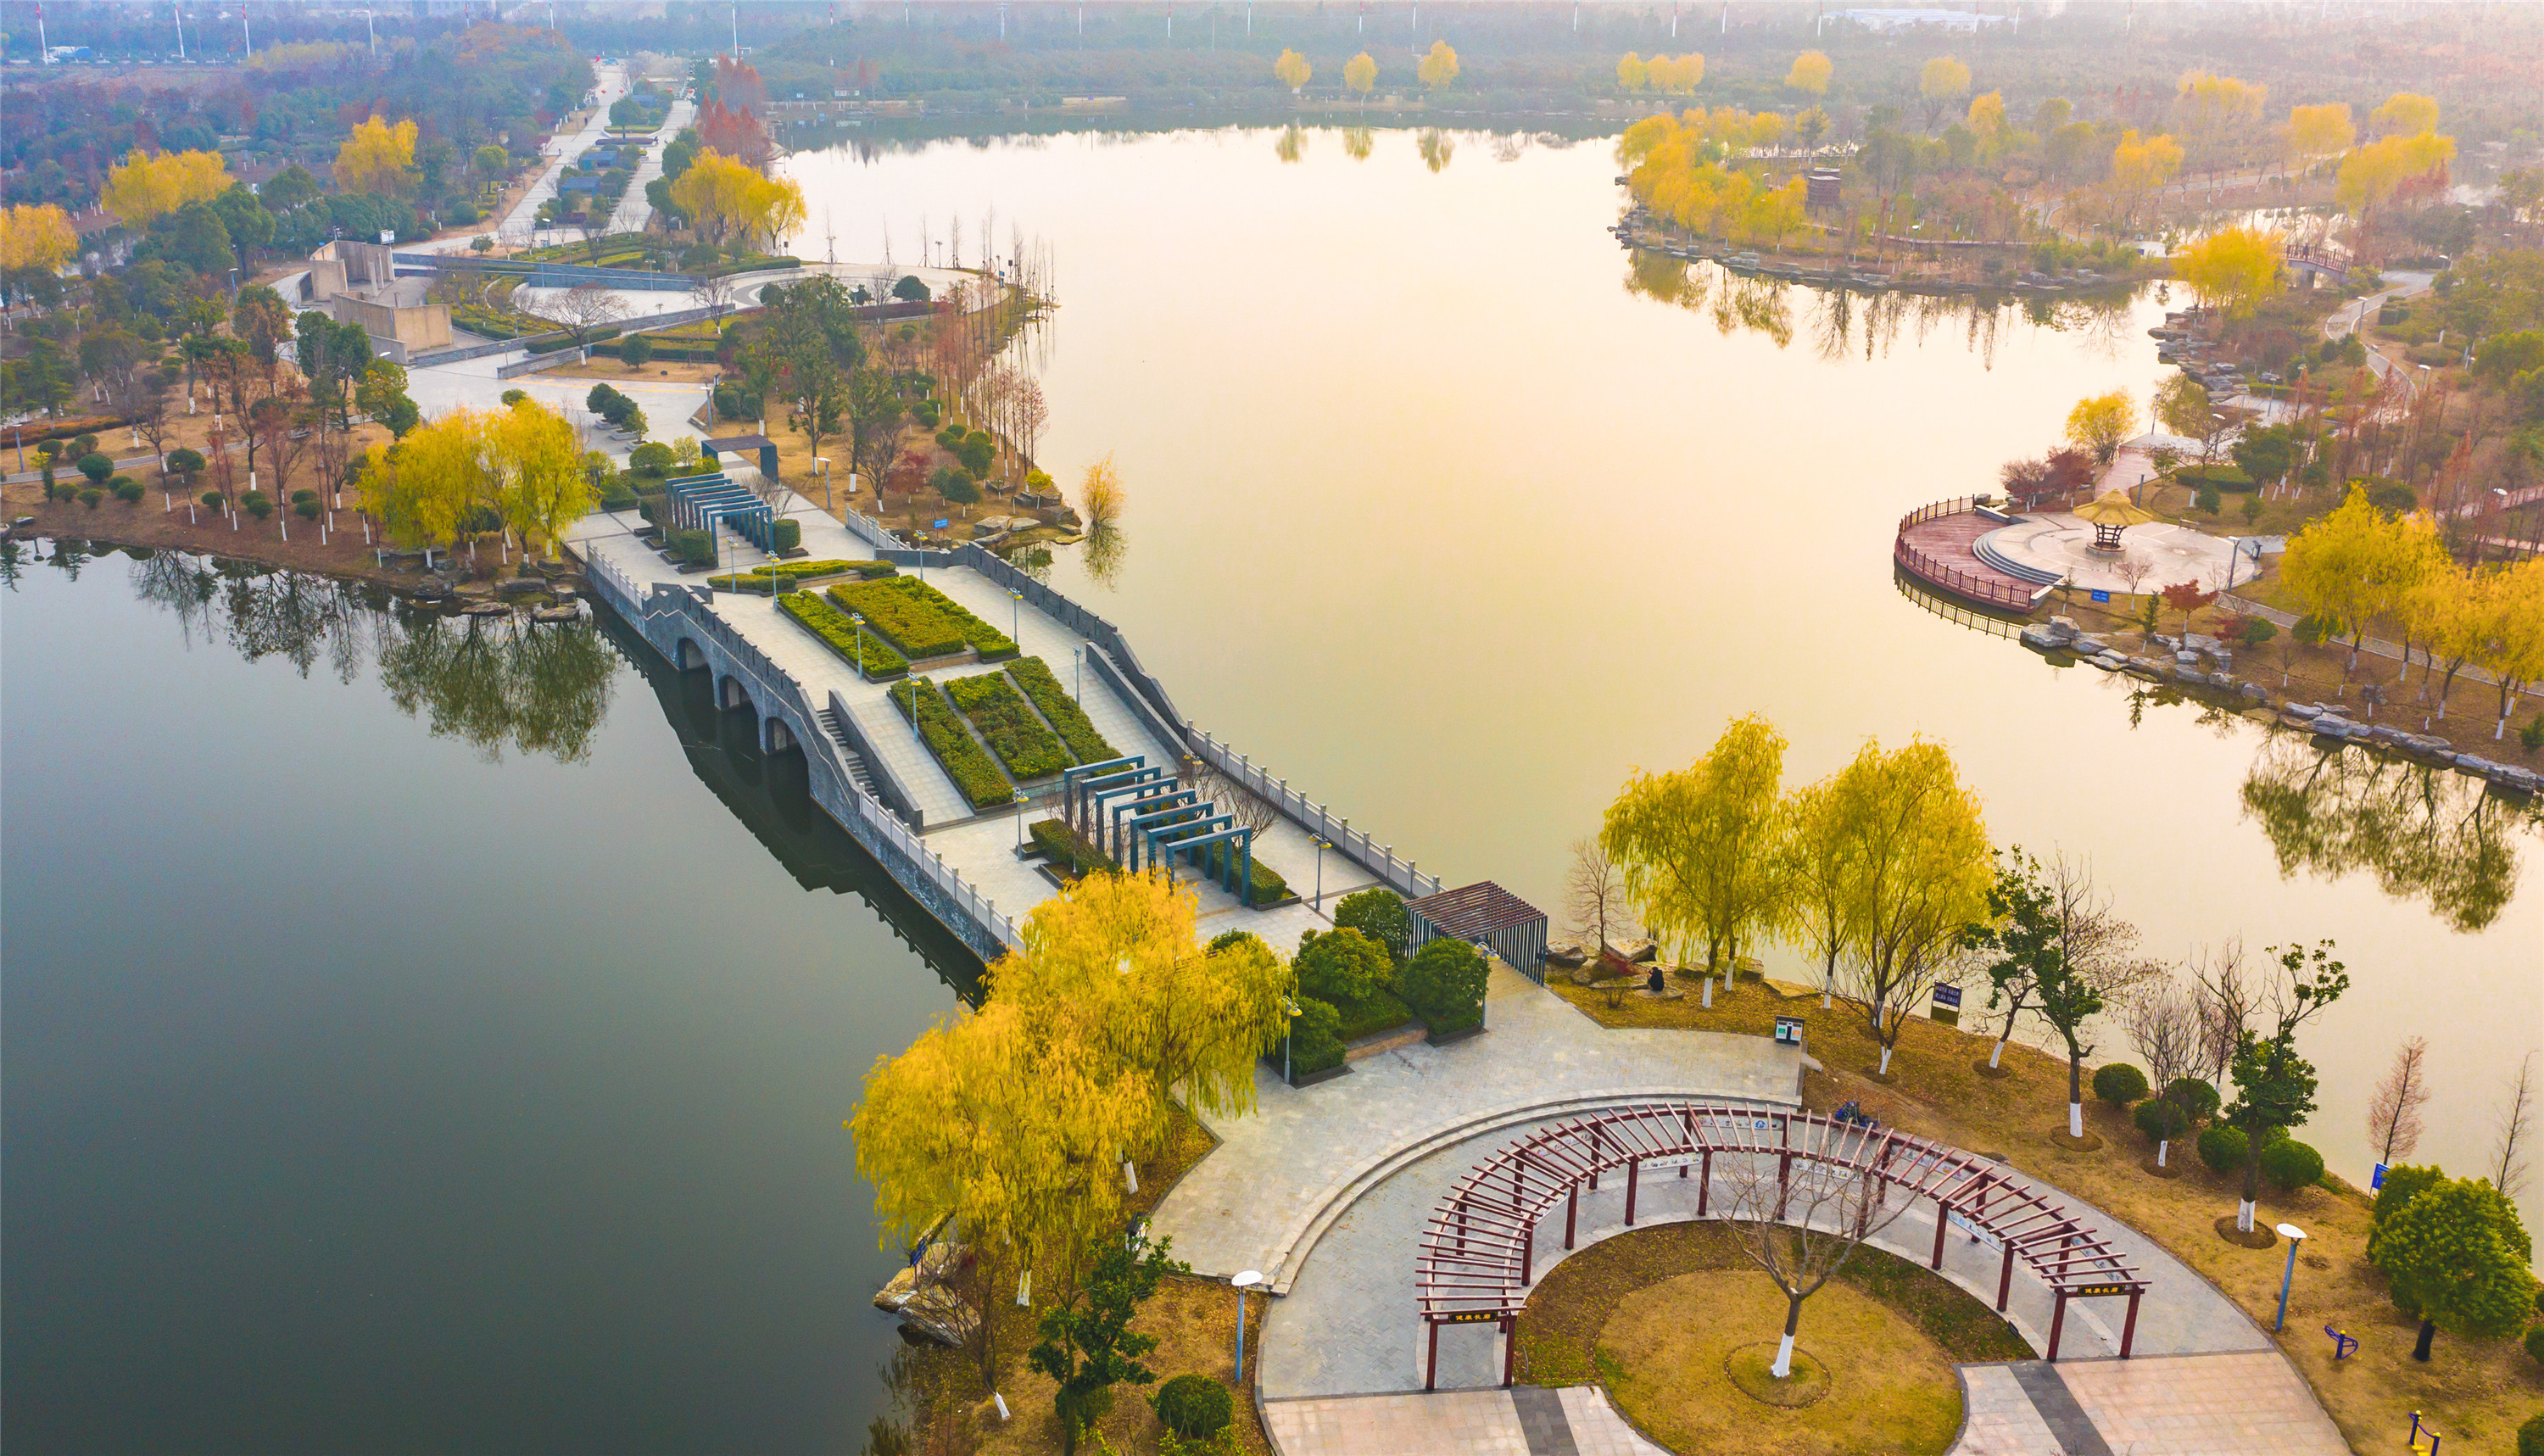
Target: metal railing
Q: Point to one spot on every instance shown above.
(1990, 590)
(1355, 844)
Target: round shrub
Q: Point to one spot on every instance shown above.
(2223, 1149)
(2160, 1120)
(1341, 966)
(511, 397)
(212, 498)
(1194, 1406)
(303, 496)
(2196, 1098)
(2120, 1084)
(1443, 982)
(2535, 1351)
(96, 466)
(257, 504)
(2530, 1436)
(91, 496)
(127, 490)
(306, 509)
(2290, 1165)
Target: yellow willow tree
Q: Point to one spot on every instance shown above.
(2320, 130)
(1820, 845)
(2355, 564)
(1360, 73)
(142, 187)
(1941, 83)
(1810, 73)
(1702, 846)
(2099, 424)
(1114, 962)
(1914, 873)
(377, 158)
(1631, 73)
(2405, 113)
(546, 488)
(37, 236)
(1013, 1132)
(1438, 67)
(1293, 71)
(2511, 602)
(1987, 121)
(2211, 107)
(428, 488)
(2140, 165)
(2233, 271)
(1100, 494)
(1676, 75)
(2372, 173)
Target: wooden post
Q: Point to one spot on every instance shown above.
(1528, 1256)
(1431, 1364)
(1572, 1209)
(2005, 1280)
(1510, 1347)
(1598, 1149)
(1704, 1189)
(1687, 1129)
(1784, 1177)
(2130, 1328)
(2057, 1319)
(1943, 1222)
(1634, 1179)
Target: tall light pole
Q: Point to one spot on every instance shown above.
(248, 33)
(1323, 844)
(1244, 1280)
(372, 32)
(179, 11)
(2295, 1236)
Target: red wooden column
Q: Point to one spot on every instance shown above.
(1943, 1223)
(1528, 1256)
(2057, 1319)
(1431, 1365)
(2129, 1330)
(1633, 1181)
(1572, 1211)
(1687, 1130)
(2005, 1281)
(1510, 1346)
(1704, 1190)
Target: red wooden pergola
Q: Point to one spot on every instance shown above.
(1477, 1255)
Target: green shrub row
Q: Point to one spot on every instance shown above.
(1314, 1041)
(1075, 728)
(1008, 726)
(1267, 887)
(675, 353)
(551, 346)
(1064, 846)
(788, 573)
(923, 622)
(832, 626)
(2220, 476)
(1380, 1011)
(941, 729)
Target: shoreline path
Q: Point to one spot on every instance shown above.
(1324, 1189)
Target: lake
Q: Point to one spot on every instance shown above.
(418, 1043)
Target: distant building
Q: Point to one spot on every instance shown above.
(1824, 185)
(1893, 22)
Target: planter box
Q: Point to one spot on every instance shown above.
(1309, 1078)
(1445, 1038)
(1377, 1043)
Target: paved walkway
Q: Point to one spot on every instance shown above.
(2057, 541)
(2220, 1404)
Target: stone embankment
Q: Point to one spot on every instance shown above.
(2198, 661)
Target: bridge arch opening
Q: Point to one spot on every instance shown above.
(688, 656)
(732, 695)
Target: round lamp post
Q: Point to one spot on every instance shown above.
(1323, 844)
(1290, 1008)
(1246, 1279)
(857, 624)
(2295, 1236)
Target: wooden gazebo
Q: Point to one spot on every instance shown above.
(2111, 513)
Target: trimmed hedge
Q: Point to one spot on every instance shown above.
(1194, 1406)
(659, 350)
(1063, 845)
(2120, 1084)
(1380, 1011)
(834, 629)
(941, 729)
(923, 622)
(1445, 983)
(1267, 886)
(1313, 1042)
(2223, 1148)
(2290, 1165)
(551, 346)
(788, 573)
(1075, 729)
(1008, 726)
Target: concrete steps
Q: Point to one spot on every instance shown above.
(1985, 548)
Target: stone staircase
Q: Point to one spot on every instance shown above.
(1985, 548)
(856, 764)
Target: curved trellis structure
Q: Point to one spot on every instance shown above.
(1479, 1252)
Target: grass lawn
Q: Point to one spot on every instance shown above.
(2475, 1392)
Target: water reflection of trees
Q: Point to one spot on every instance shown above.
(2426, 834)
(493, 682)
(1842, 319)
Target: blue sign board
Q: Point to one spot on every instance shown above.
(1948, 996)
(942, 524)
(2101, 595)
(2376, 1180)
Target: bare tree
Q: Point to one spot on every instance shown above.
(713, 293)
(2226, 1000)
(1801, 1218)
(2508, 1162)
(585, 307)
(2163, 1022)
(1594, 893)
(2394, 1115)
(1232, 796)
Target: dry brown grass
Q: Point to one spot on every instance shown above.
(2476, 1393)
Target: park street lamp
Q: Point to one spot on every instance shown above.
(1246, 1279)
(2295, 1236)
(1323, 844)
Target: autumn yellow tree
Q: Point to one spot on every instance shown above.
(142, 187)
(1360, 73)
(1943, 82)
(1810, 73)
(2211, 108)
(2099, 424)
(2320, 130)
(1293, 69)
(2355, 564)
(2233, 270)
(1631, 73)
(543, 486)
(1100, 495)
(1676, 75)
(727, 201)
(2513, 639)
(1702, 846)
(428, 488)
(2140, 165)
(1987, 121)
(2372, 173)
(2405, 114)
(36, 235)
(1115, 962)
(1912, 873)
(1439, 67)
(377, 158)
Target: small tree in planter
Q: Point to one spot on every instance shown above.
(1088, 1345)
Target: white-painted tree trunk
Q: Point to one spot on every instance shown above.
(1885, 1061)
(1995, 1054)
(2162, 1145)
(1784, 1367)
(2075, 1120)
(1709, 992)
(2244, 1216)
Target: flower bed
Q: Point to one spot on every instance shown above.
(875, 657)
(1008, 725)
(920, 620)
(788, 573)
(1075, 729)
(941, 729)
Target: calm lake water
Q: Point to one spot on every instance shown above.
(370, 1088)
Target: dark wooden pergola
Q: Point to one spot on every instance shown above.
(1485, 913)
(1479, 1252)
